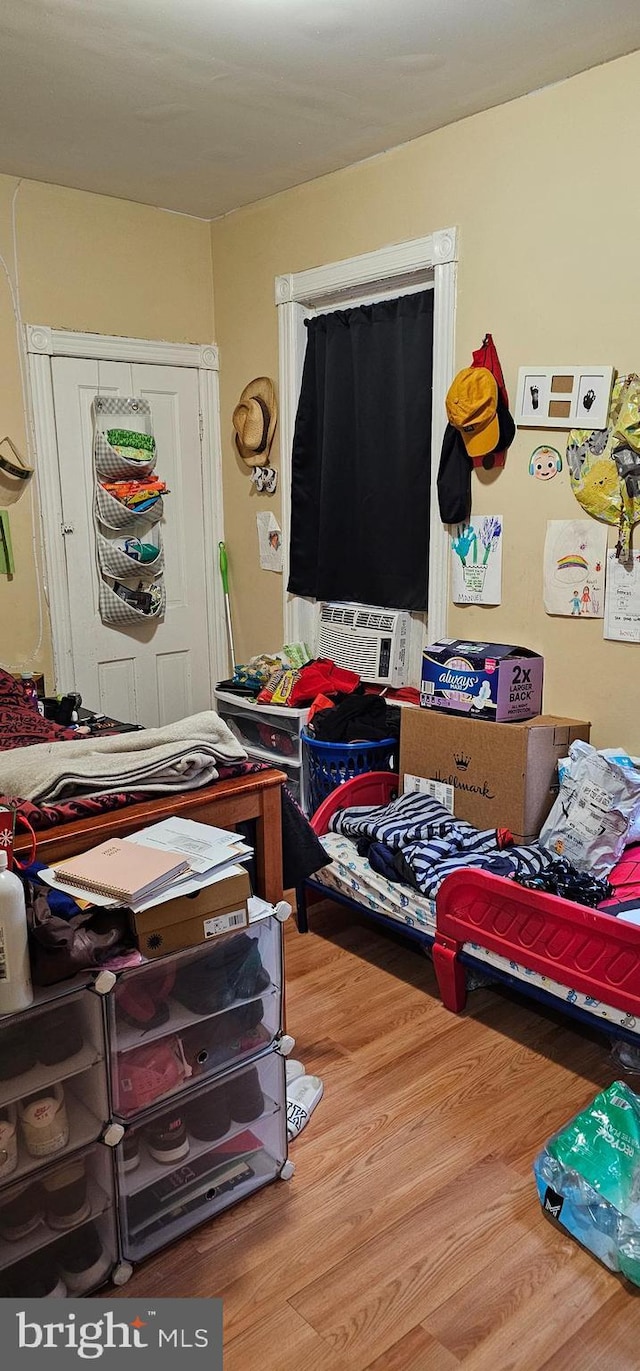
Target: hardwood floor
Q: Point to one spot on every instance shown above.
(410, 1237)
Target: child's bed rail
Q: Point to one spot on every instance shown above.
(592, 952)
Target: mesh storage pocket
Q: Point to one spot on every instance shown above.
(119, 614)
(114, 466)
(114, 562)
(113, 514)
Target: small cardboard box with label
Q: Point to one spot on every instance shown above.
(494, 775)
(489, 680)
(189, 920)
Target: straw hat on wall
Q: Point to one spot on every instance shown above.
(254, 420)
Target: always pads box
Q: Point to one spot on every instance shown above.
(491, 680)
(190, 920)
(502, 775)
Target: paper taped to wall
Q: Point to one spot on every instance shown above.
(622, 599)
(269, 542)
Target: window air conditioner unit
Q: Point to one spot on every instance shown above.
(373, 642)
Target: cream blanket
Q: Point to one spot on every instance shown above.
(180, 756)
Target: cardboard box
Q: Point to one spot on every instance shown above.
(490, 680)
(502, 775)
(190, 920)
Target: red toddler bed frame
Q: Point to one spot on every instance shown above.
(593, 952)
(590, 951)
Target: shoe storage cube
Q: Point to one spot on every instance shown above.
(59, 1225)
(179, 1166)
(53, 1095)
(175, 1020)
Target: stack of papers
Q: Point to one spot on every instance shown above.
(123, 871)
(212, 854)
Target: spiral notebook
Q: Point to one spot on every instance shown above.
(125, 871)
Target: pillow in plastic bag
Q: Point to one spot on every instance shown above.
(614, 754)
(597, 807)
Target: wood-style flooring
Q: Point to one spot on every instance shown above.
(410, 1237)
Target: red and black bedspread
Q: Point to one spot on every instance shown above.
(21, 725)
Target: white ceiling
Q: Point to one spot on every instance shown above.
(206, 105)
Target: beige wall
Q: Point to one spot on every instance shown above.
(548, 206)
(102, 266)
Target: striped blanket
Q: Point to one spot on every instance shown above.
(426, 843)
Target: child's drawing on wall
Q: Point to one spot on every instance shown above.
(476, 561)
(573, 574)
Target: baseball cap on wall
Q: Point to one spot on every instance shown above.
(472, 404)
(507, 428)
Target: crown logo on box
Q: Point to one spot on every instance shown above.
(461, 760)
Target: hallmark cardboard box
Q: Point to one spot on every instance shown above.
(489, 680)
(189, 920)
(500, 775)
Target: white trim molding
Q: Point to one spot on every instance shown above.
(211, 449)
(398, 268)
(58, 342)
(43, 344)
(50, 501)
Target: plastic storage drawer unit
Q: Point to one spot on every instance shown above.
(179, 1167)
(57, 1228)
(271, 729)
(178, 1019)
(53, 1096)
(270, 734)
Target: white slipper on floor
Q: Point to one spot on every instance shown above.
(294, 1070)
(302, 1097)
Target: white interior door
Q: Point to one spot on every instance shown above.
(159, 671)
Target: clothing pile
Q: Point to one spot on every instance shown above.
(561, 878)
(341, 708)
(416, 840)
(179, 756)
(353, 718)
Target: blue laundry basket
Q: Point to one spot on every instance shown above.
(332, 764)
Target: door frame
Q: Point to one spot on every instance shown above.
(397, 269)
(43, 344)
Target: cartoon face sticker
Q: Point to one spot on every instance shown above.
(545, 463)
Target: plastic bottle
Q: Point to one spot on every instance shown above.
(15, 973)
(629, 1250)
(30, 688)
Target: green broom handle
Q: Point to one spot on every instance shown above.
(224, 568)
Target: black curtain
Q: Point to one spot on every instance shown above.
(362, 454)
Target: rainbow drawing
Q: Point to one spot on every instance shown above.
(573, 561)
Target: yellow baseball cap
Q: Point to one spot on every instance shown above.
(472, 402)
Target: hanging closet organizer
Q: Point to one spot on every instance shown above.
(114, 521)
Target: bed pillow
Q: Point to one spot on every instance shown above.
(21, 723)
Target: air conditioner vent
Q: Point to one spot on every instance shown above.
(380, 623)
(338, 614)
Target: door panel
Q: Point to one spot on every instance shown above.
(154, 672)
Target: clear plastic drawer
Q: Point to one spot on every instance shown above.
(36, 1213)
(53, 1094)
(175, 1020)
(181, 1166)
(274, 733)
